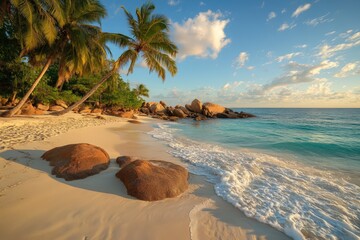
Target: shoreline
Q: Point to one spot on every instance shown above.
(34, 203)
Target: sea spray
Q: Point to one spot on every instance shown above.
(301, 201)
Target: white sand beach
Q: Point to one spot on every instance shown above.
(36, 205)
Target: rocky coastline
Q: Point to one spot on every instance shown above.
(195, 110)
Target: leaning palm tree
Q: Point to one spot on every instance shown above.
(150, 39)
(79, 45)
(141, 90)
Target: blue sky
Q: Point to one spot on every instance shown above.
(255, 53)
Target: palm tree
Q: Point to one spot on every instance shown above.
(35, 21)
(141, 90)
(150, 38)
(79, 46)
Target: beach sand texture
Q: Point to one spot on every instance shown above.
(36, 205)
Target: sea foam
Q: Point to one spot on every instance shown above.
(300, 201)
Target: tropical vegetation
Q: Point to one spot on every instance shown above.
(57, 50)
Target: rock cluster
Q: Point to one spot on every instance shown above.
(77, 161)
(196, 110)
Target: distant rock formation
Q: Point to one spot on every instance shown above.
(196, 110)
(153, 180)
(76, 161)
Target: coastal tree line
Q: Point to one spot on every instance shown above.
(55, 49)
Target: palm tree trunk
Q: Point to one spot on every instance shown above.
(84, 98)
(13, 111)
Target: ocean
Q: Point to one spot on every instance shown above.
(297, 170)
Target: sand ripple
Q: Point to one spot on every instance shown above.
(23, 130)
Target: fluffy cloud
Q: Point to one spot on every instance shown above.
(201, 36)
(299, 73)
(287, 56)
(320, 88)
(286, 26)
(301, 9)
(271, 16)
(301, 46)
(241, 59)
(348, 69)
(316, 21)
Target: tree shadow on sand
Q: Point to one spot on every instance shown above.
(104, 182)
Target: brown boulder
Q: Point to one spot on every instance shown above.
(42, 107)
(179, 113)
(85, 109)
(145, 110)
(196, 106)
(3, 101)
(129, 114)
(184, 110)
(163, 104)
(28, 109)
(76, 161)
(39, 112)
(56, 108)
(61, 103)
(188, 107)
(211, 109)
(97, 110)
(153, 180)
(156, 108)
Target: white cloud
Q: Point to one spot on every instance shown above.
(250, 68)
(320, 88)
(263, 4)
(315, 70)
(301, 46)
(316, 21)
(354, 37)
(283, 11)
(286, 26)
(348, 69)
(301, 9)
(173, 2)
(202, 4)
(271, 16)
(241, 59)
(330, 33)
(231, 86)
(327, 51)
(202, 36)
(299, 73)
(287, 56)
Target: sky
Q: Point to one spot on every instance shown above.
(254, 53)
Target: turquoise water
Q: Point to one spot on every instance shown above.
(297, 170)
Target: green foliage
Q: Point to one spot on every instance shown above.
(47, 94)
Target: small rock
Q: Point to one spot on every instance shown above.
(124, 160)
(42, 107)
(61, 103)
(56, 108)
